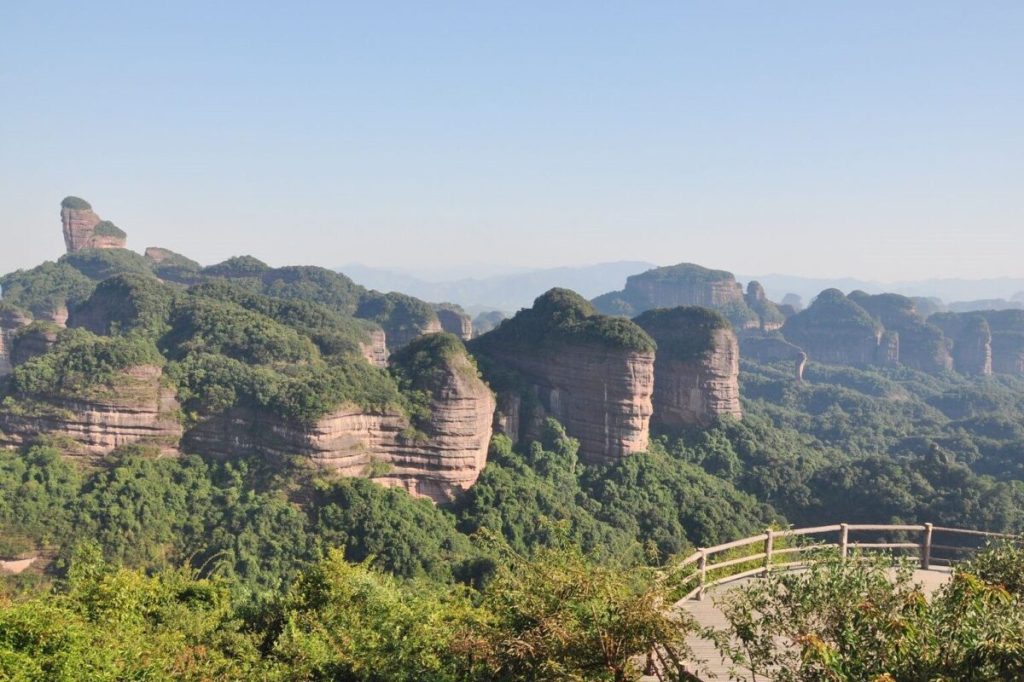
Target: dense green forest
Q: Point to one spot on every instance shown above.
(244, 568)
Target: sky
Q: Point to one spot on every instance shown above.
(876, 139)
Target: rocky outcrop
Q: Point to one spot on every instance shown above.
(972, 341)
(376, 349)
(435, 458)
(137, 408)
(11, 320)
(402, 317)
(770, 316)
(83, 229)
(834, 329)
(594, 374)
(696, 368)
(684, 284)
(773, 348)
(31, 341)
(455, 322)
(920, 345)
(1007, 340)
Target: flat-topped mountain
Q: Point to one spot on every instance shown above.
(696, 368)
(592, 372)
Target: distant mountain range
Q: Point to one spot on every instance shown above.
(511, 289)
(506, 291)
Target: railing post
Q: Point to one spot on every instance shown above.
(926, 547)
(769, 542)
(702, 565)
(844, 539)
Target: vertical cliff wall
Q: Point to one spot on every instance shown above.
(83, 229)
(593, 373)
(696, 368)
(834, 329)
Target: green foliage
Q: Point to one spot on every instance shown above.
(684, 333)
(82, 362)
(561, 317)
(105, 228)
(99, 264)
(126, 303)
(237, 267)
(75, 203)
(332, 332)
(402, 317)
(46, 288)
(857, 621)
(314, 285)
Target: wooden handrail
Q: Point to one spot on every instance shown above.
(705, 556)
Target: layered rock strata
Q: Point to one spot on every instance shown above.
(83, 229)
(138, 408)
(696, 369)
(594, 374)
(435, 459)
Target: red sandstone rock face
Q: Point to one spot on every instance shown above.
(156, 254)
(601, 396)
(80, 231)
(454, 322)
(1008, 353)
(699, 391)
(139, 409)
(376, 351)
(446, 457)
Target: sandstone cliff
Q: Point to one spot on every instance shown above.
(137, 408)
(11, 320)
(773, 348)
(920, 346)
(972, 341)
(454, 321)
(696, 368)
(83, 229)
(834, 329)
(769, 315)
(595, 374)
(1007, 340)
(684, 284)
(31, 341)
(434, 455)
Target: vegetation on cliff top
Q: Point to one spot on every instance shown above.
(75, 203)
(99, 264)
(684, 333)
(46, 288)
(105, 228)
(80, 362)
(560, 318)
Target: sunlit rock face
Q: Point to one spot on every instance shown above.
(83, 229)
(436, 459)
(560, 359)
(696, 366)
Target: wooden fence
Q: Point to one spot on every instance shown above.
(710, 562)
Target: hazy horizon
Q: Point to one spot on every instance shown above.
(872, 141)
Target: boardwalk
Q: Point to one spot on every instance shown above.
(707, 614)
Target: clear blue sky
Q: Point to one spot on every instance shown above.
(877, 139)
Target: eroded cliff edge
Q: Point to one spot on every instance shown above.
(696, 368)
(560, 358)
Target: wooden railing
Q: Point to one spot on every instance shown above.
(708, 571)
